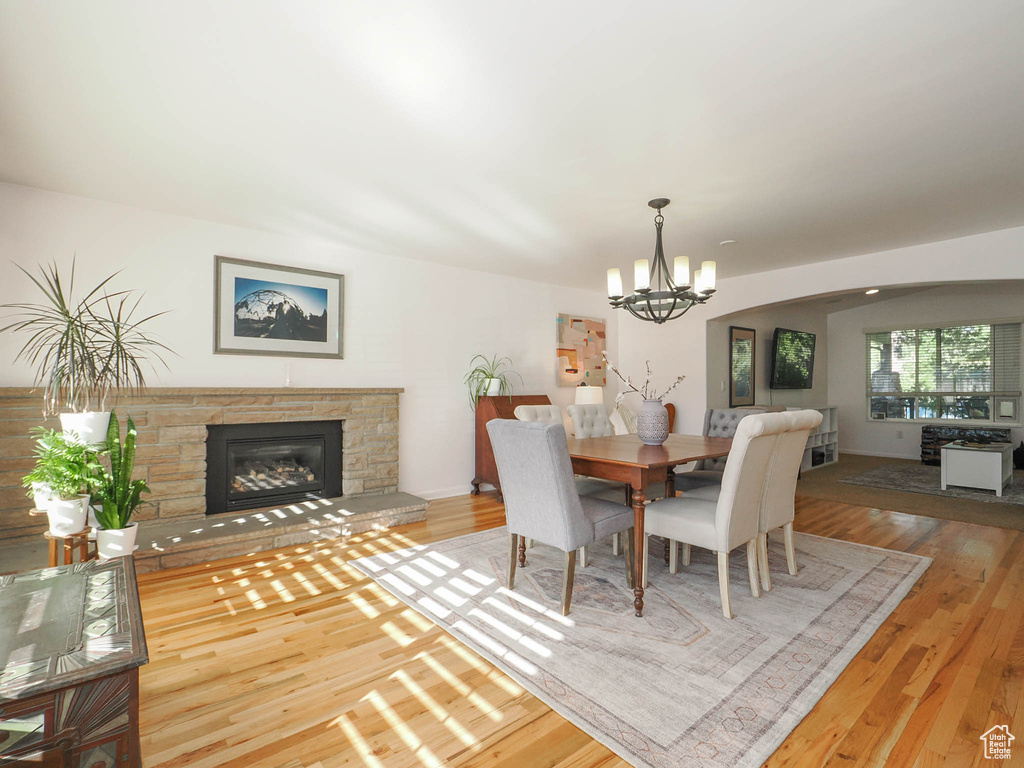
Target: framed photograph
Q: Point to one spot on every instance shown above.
(264, 309)
(741, 366)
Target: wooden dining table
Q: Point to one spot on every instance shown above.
(626, 459)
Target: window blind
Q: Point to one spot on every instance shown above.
(969, 372)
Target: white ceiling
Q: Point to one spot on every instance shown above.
(526, 138)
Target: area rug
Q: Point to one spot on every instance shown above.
(682, 685)
(920, 478)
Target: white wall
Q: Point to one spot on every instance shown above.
(764, 322)
(407, 323)
(680, 346)
(847, 374)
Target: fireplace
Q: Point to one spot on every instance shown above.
(260, 465)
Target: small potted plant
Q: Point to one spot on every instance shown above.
(65, 466)
(82, 349)
(118, 494)
(490, 377)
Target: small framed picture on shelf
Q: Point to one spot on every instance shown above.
(742, 352)
(265, 309)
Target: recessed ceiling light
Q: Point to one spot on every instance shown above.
(728, 242)
(871, 291)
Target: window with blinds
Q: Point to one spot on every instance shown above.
(964, 372)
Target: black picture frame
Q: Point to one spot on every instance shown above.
(742, 362)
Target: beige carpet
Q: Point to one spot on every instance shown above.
(682, 685)
(825, 483)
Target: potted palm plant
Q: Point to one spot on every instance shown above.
(490, 377)
(118, 494)
(65, 466)
(82, 349)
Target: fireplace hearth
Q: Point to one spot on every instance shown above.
(249, 466)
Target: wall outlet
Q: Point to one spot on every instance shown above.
(899, 434)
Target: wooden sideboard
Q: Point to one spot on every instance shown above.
(71, 644)
(499, 407)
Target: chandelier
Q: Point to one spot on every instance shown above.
(657, 295)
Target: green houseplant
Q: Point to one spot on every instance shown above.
(65, 466)
(82, 349)
(490, 377)
(119, 495)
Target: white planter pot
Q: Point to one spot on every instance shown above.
(493, 387)
(90, 427)
(67, 516)
(40, 495)
(116, 542)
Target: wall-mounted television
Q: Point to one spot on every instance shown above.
(792, 360)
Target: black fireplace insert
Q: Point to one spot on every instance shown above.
(260, 465)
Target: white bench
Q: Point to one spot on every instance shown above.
(988, 466)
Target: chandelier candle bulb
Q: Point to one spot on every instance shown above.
(681, 271)
(707, 271)
(614, 283)
(698, 282)
(641, 275)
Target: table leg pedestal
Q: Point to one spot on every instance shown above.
(638, 547)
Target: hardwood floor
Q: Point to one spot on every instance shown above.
(293, 659)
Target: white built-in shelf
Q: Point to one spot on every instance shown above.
(822, 444)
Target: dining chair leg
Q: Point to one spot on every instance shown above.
(762, 561)
(673, 555)
(723, 583)
(530, 543)
(787, 532)
(616, 549)
(686, 554)
(570, 574)
(630, 559)
(583, 557)
(522, 552)
(513, 554)
(755, 588)
(643, 563)
(668, 544)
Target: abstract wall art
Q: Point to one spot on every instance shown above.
(580, 342)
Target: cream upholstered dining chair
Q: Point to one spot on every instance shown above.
(590, 420)
(732, 520)
(778, 500)
(541, 501)
(718, 422)
(545, 414)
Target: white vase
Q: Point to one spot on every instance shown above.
(41, 495)
(652, 423)
(67, 516)
(89, 428)
(116, 542)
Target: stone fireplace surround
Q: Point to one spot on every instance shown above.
(171, 455)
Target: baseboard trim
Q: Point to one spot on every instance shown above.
(881, 455)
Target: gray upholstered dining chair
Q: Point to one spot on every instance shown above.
(718, 422)
(778, 500)
(732, 520)
(541, 501)
(585, 486)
